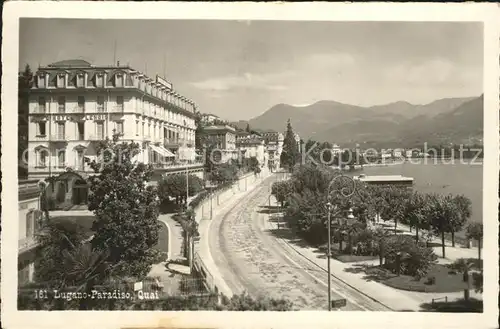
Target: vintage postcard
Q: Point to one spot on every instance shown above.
(259, 157)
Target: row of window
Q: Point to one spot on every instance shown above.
(80, 126)
(148, 106)
(61, 104)
(79, 82)
(119, 81)
(119, 128)
(42, 158)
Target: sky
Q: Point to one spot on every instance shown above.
(240, 69)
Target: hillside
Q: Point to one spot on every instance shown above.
(442, 121)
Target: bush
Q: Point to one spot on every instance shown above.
(365, 243)
(431, 280)
(414, 259)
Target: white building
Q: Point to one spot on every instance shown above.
(73, 105)
(222, 138)
(208, 118)
(252, 146)
(274, 147)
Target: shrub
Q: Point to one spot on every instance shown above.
(365, 243)
(431, 280)
(414, 259)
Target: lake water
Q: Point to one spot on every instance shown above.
(457, 178)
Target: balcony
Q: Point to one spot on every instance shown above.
(117, 108)
(178, 165)
(96, 137)
(58, 138)
(39, 110)
(27, 244)
(171, 143)
(76, 109)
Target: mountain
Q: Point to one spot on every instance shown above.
(444, 120)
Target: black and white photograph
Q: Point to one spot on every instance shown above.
(249, 164)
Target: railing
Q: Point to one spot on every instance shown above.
(180, 165)
(96, 137)
(27, 184)
(27, 243)
(58, 137)
(118, 108)
(40, 109)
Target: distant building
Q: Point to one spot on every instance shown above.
(336, 149)
(208, 118)
(274, 147)
(252, 145)
(396, 180)
(223, 138)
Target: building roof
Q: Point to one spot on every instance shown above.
(383, 178)
(71, 63)
(219, 128)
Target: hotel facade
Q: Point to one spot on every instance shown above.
(73, 105)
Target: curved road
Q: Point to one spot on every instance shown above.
(253, 256)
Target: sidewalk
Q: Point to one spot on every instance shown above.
(452, 253)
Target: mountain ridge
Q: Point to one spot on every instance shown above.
(332, 121)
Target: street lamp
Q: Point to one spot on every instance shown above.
(345, 192)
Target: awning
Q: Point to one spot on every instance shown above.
(162, 151)
(167, 152)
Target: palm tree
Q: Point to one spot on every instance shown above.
(85, 268)
(464, 266)
(475, 231)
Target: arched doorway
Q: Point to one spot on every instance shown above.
(80, 192)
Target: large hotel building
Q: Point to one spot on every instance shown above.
(73, 105)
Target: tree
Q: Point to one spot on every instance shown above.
(85, 268)
(25, 82)
(394, 202)
(414, 212)
(126, 209)
(440, 211)
(475, 231)
(381, 236)
(281, 191)
(56, 238)
(290, 154)
(248, 130)
(464, 211)
(464, 266)
(174, 186)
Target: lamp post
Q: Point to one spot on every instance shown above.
(345, 192)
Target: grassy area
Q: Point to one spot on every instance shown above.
(445, 279)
